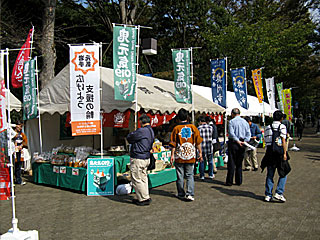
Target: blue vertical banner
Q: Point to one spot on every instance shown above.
(218, 82)
(239, 83)
(100, 176)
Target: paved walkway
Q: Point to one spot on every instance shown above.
(219, 212)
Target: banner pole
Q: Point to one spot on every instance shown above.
(31, 42)
(38, 98)
(192, 97)
(101, 112)
(14, 219)
(225, 120)
(263, 114)
(136, 88)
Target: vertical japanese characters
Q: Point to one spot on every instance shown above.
(124, 62)
(181, 65)
(239, 83)
(287, 103)
(270, 92)
(85, 90)
(30, 109)
(257, 81)
(218, 82)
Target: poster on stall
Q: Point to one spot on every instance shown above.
(124, 62)
(100, 177)
(85, 90)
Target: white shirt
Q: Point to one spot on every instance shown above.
(268, 133)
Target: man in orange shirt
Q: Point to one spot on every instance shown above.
(185, 141)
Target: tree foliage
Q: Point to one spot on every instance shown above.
(279, 36)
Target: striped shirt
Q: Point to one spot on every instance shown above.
(268, 133)
(206, 132)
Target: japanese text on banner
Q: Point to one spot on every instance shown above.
(257, 81)
(218, 82)
(181, 65)
(30, 109)
(240, 86)
(124, 62)
(85, 90)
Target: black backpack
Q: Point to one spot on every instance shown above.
(276, 144)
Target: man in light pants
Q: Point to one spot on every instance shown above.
(141, 142)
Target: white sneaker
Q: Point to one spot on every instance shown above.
(23, 183)
(190, 198)
(212, 177)
(267, 198)
(201, 178)
(279, 197)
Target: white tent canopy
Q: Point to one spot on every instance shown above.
(15, 103)
(255, 108)
(153, 94)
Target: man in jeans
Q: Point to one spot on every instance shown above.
(185, 140)
(207, 134)
(141, 142)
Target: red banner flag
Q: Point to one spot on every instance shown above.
(158, 119)
(116, 119)
(17, 72)
(4, 177)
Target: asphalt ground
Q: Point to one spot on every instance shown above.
(218, 212)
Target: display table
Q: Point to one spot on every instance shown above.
(49, 174)
(44, 173)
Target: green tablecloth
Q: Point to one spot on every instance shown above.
(44, 173)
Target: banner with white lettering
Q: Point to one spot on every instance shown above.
(85, 90)
(17, 72)
(30, 109)
(239, 83)
(182, 74)
(279, 89)
(218, 82)
(124, 62)
(270, 92)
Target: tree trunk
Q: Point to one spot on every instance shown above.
(47, 43)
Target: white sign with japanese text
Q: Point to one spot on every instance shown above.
(85, 90)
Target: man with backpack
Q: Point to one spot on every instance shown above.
(276, 157)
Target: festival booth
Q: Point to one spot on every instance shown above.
(63, 159)
(255, 108)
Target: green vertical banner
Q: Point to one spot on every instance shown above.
(279, 89)
(181, 64)
(30, 109)
(124, 62)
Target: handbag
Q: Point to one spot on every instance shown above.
(152, 164)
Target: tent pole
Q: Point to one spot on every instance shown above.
(40, 130)
(14, 219)
(136, 88)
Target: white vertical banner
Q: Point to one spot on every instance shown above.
(85, 90)
(3, 118)
(271, 92)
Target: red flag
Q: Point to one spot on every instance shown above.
(17, 72)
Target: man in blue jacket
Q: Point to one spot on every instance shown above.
(250, 156)
(141, 142)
